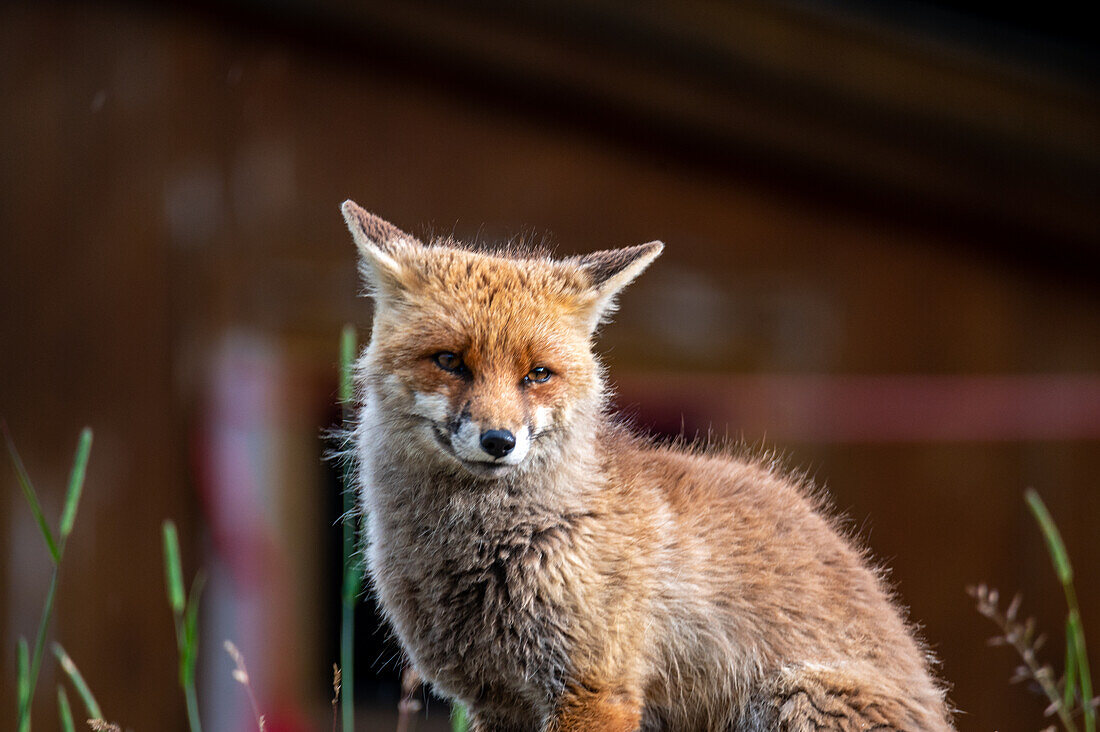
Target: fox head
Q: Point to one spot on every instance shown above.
(482, 363)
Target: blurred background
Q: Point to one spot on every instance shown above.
(883, 261)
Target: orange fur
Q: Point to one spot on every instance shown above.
(587, 579)
(594, 707)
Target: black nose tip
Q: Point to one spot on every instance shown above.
(497, 443)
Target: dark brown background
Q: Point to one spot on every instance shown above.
(844, 196)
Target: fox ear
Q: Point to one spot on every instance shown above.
(611, 270)
(383, 249)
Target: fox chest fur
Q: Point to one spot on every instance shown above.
(551, 571)
(479, 589)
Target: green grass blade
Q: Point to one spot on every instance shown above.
(173, 570)
(32, 496)
(1069, 692)
(352, 576)
(351, 584)
(23, 670)
(64, 711)
(459, 723)
(347, 666)
(191, 631)
(347, 362)
(192, 708)
(79, 684)
(185, 616)
(1053, 537)
(1084, 677)
(76, 483)
(23, 684)
(1075, 632)
(40, 639)
(185, 662)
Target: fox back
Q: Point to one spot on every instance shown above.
(549, 569)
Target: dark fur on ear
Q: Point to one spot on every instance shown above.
(373, 228)
(604, 265)
(611, 270)
(383, 250)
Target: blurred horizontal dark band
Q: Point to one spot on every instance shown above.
(888, 119)
(824, 409)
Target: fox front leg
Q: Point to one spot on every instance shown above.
(597, 708)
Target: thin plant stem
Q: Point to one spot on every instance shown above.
(184, 613)
(64, 711)
(23, 680)
(336, 677)
(1084, 677)
(31, 495)
(1021, 636)
(347, 652)
(188, 684)
(36, 657)
(81, 686)
(240, 675)
(351, 584)
(192, 707)
(56, 548)
(1080, 652)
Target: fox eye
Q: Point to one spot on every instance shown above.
(538, 375)
(449, 361)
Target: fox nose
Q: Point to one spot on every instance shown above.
(497, 443)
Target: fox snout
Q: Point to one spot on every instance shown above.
(482, 445)
(479, 442)
(497, 443)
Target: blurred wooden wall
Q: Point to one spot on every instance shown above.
(836, 198)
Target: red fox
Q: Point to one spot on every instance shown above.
(550, 570)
